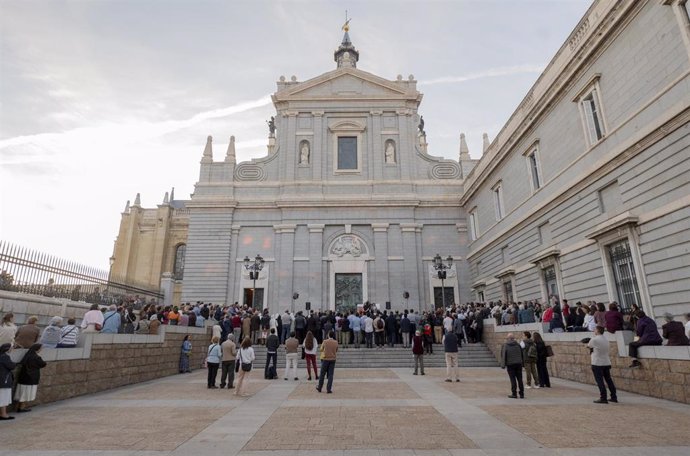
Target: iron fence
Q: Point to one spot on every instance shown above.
(28, 271)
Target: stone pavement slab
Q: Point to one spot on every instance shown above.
(373, 412)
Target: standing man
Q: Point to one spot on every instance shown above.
(450, 347)
(286, 320)
(300, 325)
(368, 324)
(229, 350)
(329, 349)
(405, 327)
(291, 346)
(601, 365)
(392, 329)
(356, 328)
(272, 343)
(418, 351)
(512, 361)
(530, 354)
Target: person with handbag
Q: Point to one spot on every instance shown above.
(309, 349)
(93, 319)
(243, 365)
(213, 358)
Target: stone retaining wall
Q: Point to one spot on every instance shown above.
(665, 371)
(109, 361)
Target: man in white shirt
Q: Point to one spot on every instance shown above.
(368, 324)
(601, 365)
(448, 323)
(92, 318)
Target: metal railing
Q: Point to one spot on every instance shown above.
(28, 271)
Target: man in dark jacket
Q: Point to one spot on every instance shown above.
(674, 331)
(648, 335)
(405, 327)
(300, 325)
(418, 351)
(392, 329)
(450, 347)
(512, 360)
(272, 343)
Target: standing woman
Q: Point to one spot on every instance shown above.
(247, 357)
(213, 357)
(542, 370)
(310, 349)
(184, 355)
(7, 329)
(29, 377)
(6, 380)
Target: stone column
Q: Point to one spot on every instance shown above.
(376, 170)
(167, 286)
(406, 152)
(316, 271)
(411, 261)
(233, 277)
(291, 152)
(319, 148)
(284, 270)
(381, 292)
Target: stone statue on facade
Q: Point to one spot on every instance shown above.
(271, 126)
(390, 152)
(304, 154)
(421, 126)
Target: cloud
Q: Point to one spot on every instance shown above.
(121, 134)
(494, 72)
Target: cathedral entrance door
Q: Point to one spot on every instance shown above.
(348, 291)
(438, 297)
(249, 298)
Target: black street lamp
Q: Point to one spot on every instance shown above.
(441, 269)
(254, 268)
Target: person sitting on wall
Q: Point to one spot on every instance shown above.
(648, 335)
(673, 331)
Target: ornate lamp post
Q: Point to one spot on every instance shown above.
(254, 268)
(441, 267)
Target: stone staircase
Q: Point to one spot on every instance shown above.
(470, 355)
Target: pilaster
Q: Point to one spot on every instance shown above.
(410, 262)
(233, 276)
(284, 273)
(316, 264)
(318, 152)
(381, 280)
(376, 151)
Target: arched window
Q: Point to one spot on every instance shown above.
(178, 268)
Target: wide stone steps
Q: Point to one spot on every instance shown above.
(472, 355)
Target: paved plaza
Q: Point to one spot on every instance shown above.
(371, 412)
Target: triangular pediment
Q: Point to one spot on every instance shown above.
(346, 82)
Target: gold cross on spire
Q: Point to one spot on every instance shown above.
(346, 25)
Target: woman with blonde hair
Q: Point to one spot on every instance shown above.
(7, 329)
(310, 350)
(245, 358)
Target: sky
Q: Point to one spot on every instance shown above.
(103, 99)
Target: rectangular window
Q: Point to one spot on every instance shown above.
(474, 232)
(544, 233)
(480, 295)
(532, 161)
(624, 275)
(508, 290)
(498, 200)
(504, 255)
(347, 152)
(550, 281)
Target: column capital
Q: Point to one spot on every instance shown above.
(461, 227)
(317, 113)
(316, 227)
(411, 227)
(285, 228)
(404, 112)
(287, 113)
(235, 228)
(376, 112)
(380, 227)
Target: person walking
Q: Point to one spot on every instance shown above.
(529, 352)
(418, 352)
(6, 380)
(227, 372)
(29, 377)
(185, 351)
(247, 357)
(329, 350)
(291, 346)
(214, 355)
(272, 344)
(542, 369)
(450, 347)
(310, 350)
(601, 365)
(512, 360)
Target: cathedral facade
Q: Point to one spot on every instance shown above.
(346, 207)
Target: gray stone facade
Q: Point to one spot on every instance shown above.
(611, 215)
(381, 217)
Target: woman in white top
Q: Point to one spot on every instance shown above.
(245, 356)
(7, 329)
(590, 323)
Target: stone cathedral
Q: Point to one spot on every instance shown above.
(346, 207)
